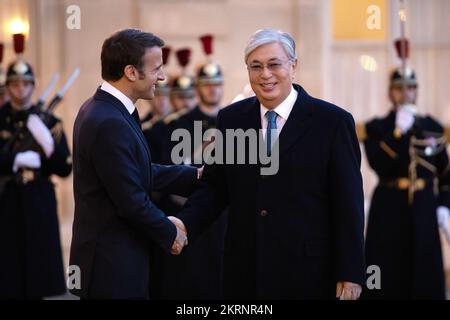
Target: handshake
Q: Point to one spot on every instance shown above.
(181, 239)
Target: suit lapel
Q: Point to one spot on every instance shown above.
(254, 116)
(105, 96)
(298, 122)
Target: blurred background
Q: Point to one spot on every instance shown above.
(345, 50)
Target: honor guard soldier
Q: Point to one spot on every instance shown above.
(182, 99)
(33, 147)
(182, 93)
(3, 93)
(197, 273)
(407, 152)
(209, 86)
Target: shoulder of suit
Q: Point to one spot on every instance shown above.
(237, 107)
(328, 112)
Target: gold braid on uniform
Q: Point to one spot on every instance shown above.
(447, 133)
(149, 124)
(445, 171)
(5, 134)
(175, 116)
(361, 132)
(412, 171)
(57, 131)
(416, 151)
(445, 188)
(426, 165)
(391, 153)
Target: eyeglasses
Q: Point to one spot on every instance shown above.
(258, 68)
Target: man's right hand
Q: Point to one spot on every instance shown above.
(181, 238)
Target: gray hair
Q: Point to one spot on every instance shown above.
(269, 35)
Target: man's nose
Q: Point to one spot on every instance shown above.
(266, 73)
(161, 75)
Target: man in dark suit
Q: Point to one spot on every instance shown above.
(115, 222)
(296, 234)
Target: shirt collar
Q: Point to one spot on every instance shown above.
(106, 86)
(284, 108)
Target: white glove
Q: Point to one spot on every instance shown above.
(405, 118)
(443, 214)
(41, 134)
(27, 159)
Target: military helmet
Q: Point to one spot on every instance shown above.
(400, 77)
(210, 72)
(184, 84)
(20, 70)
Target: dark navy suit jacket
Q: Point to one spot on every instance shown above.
(294, 234)
(116, 223)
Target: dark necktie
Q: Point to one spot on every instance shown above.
(136, 117)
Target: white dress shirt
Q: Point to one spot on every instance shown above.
(283, 110)
(106, 86)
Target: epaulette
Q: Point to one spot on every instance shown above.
(5, 135)
(175, 116)
(57, 131)
(447, 134)
(361, 132)
(147, 125)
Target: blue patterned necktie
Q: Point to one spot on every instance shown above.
(271, 126)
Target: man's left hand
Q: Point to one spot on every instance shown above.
(348, 290)
(200, 172)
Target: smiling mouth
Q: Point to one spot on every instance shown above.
(268, 86)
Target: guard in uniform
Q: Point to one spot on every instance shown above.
(3, 94)
(209, 88)
(181, 92)
(408, 153)
(197, 273)
(31, 266)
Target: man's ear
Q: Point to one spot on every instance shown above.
(294, 68)
(130, 73)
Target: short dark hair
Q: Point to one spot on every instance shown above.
(126, 47)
